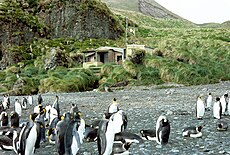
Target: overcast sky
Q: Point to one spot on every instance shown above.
(199, 11)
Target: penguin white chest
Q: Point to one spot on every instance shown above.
(200, 109)
(31, 140)
(223, 104)
(18, 108)
(109, 141)
(113, 108)
(30, 100)
(81, 130)
(209, 101)
(216, 110)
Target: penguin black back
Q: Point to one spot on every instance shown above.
(40, 100)
(14, 119)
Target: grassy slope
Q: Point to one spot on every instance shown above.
(183, 53)
(133, 5)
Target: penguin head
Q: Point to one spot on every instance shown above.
(209, 93)
(114, 101)
(66, 116)
(74, 108)
(226, 95)
(142, 133)
(50, 132)
(217, 99)
(163, 120)
(33, 116)
(200, 97)
(220, 125)
(199, 128)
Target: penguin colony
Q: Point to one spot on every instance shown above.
(69, 130)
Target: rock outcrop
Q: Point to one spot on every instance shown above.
(22, 21)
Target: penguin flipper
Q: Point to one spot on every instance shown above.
(101, 137)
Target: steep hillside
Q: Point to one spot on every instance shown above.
(147, 7)
(28, 20)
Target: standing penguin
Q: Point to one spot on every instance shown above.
(209, 101)
(56, 105)
(4, 120)
(162, 130)
(228, 106)
(113, 108)
(60, 133)
(29, 137)
(24, 103)
(6, 102)
(217, 109)
(18, 107)
(14, 119)
(81, 128)
(107, 130)
(30, 100)
(200, 108)
(224, 104)
(72, 137)
(40, 100)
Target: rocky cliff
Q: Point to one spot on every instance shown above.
(22, 21)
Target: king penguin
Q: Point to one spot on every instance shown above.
(193, 131)
(217, 109)
(72, 138)
(56, 105)
(209, 101)
(14, 119)
(51, 130)
(4, 120)
(29, 138)
(40, 99)
(200, 108)
(162, 130)
(60, 133)
(223, 101)
(112, 109)
(24, 103)
(107, 130)
(6, 102)
(30, 100)
(18, 107)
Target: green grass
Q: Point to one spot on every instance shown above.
(182, 53)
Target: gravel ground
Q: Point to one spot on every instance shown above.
(143, 105)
